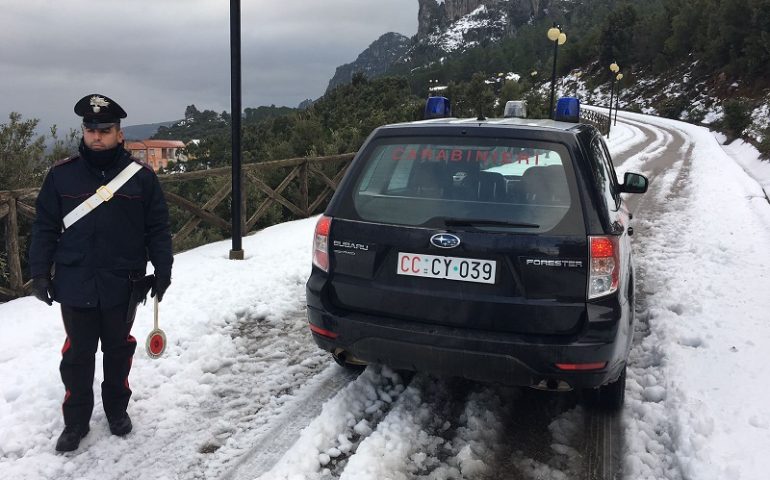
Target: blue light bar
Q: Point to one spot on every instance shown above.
(437, 107)
(567, 110)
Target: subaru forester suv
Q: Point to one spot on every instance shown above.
(495, 250)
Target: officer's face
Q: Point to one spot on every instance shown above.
(102, 138)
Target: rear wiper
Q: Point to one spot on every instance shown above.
(467, 222)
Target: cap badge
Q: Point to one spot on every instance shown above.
(98, 102)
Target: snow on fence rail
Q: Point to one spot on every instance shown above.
(199, 213)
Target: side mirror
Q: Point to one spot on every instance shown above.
(634, 183)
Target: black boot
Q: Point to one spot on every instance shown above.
(70, 437)
(121, 425)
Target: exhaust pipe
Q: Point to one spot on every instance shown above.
(552, 385)
(344, 358)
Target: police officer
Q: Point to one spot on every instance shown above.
(94, 231)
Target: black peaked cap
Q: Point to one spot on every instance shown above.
(99, 111)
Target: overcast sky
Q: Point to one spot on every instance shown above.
(155, 57)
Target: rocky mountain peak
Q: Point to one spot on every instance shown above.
(452, 24)
(443, 26)
(435, 15)
(374, 61)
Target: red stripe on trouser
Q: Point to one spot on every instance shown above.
(66, 346)
(66, 397)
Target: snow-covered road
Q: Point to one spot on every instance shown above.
(242, 392)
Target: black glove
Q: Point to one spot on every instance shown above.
(159, 286)
(42, 289)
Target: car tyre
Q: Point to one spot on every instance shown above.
(609, 397)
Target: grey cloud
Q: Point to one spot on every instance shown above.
(157, 56)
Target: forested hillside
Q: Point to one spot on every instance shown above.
(336, 123)
(718, 42)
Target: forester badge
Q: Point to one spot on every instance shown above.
(98, 102)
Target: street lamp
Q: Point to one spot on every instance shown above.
(432, 84)
(618, 77)
(558, 38)
(614, 68)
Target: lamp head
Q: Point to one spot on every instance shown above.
(562, 38)
(553, 33)
(614, 67)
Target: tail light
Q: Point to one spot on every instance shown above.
(321, 243)
(578, 367)
(604, 273)
(323, 332)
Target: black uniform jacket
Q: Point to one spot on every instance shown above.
(94, 258)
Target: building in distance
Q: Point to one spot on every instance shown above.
(157, 153)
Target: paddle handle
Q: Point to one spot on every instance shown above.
(156, 312)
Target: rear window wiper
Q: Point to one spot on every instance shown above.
(468, 222)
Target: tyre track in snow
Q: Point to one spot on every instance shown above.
(414, 439)
(283, 431)
(649, 437)
(439, 429)
(324, 447)
(275, 364)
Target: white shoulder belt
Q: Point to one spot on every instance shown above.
(103, 194)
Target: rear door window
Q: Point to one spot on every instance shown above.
(505, 183)
(604, 173)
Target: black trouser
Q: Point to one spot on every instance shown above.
(85, 327)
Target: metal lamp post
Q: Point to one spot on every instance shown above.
(577, 83)
(618, 77)
(558, 38)
(236, 253)
(614, 68)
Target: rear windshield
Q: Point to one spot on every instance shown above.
(488, 183)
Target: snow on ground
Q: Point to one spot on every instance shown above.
(238, 348)
(240, 356)
(454, 36)
(706, 270)
(747, 156)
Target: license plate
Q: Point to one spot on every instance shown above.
(449, 268)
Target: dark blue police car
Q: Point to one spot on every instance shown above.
(496, 250)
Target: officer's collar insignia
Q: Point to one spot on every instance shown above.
(98, 102)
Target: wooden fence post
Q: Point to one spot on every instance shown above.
(303, 187)
(12, 248)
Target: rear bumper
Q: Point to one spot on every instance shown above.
(511, 359)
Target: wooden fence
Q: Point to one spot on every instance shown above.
(596, 118)
(272, 191)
